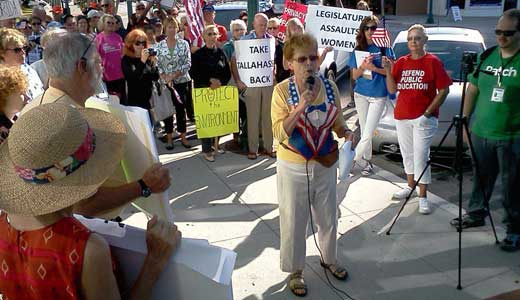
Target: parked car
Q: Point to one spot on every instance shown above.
(449, 44)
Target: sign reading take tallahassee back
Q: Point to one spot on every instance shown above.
(334, 27)
(255, 61)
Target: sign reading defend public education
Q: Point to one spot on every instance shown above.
(216, 111)
(292, 10)
(10, 9)
(255, 61)
(335, 27)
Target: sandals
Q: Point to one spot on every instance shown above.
(271, 154)
(251, 155)
(297, 284)
(337, 271)
(511, 243)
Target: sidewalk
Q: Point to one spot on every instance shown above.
(232, 203)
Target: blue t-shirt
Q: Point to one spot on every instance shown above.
(377, 86)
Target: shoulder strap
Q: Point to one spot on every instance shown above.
(483, 57)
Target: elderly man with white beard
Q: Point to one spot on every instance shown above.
(74, 69)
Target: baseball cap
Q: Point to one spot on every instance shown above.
(94, 13)
(208, 8)
(53, 25)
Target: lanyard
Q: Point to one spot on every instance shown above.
(503, 66)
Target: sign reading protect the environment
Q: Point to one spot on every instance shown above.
(10, 9)
(334, 27)
(255, 61)
(216, 111)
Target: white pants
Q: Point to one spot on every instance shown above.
(294, 211)
(369, 111)
(415, 138)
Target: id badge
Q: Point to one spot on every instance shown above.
(498, 94)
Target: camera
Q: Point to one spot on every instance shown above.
(152, 52)
(469, 57)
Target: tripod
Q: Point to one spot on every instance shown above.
(460, 122)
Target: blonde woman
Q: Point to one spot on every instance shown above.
(13, 84)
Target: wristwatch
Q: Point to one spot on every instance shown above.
(145, 190)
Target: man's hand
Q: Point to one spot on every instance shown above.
(157, 178)
(214, 83)
(162, 238)
(241, 86)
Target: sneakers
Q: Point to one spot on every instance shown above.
(402, 194)
(424, 206)
(511, 243)
(368, 169)
(468, 221)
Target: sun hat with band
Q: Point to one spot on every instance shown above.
(57, 155)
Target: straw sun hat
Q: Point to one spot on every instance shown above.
(57, 155)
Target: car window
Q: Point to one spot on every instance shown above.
(225, 16)
(449, 52)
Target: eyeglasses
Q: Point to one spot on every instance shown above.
(303, 59)
(507, 33)
(239, 29)
(373, 28)
(18, 50)
(272, 28)
(414, 38)
(140, 43)
(212, 33)
(105, 5)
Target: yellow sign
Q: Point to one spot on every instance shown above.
(216, 111)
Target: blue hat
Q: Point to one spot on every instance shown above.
(54, 24)
(208, 8)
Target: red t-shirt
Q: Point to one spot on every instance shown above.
(417, 82)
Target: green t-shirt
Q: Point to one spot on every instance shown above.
(494, 119)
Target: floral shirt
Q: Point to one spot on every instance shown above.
(5, 125)
(178, 59)
(35, 87)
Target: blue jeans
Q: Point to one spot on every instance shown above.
(497, 158)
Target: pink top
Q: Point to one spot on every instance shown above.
(110, 48)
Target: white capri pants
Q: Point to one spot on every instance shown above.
(369, 111)
(294, 211)
(415, 138)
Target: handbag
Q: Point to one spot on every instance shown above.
(161, 102)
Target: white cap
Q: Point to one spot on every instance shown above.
(94, 13)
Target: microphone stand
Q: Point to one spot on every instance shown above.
(461, 124)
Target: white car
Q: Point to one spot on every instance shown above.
(449, 44)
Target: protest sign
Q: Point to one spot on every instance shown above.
(196, 271)
(292, 10)
(10, 9)
(360, 57)
(140, 153)
(334, 27)
(255, 61)
(216, 111)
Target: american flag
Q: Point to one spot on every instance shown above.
(381, 37)
(195, 21)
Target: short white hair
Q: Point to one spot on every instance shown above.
(62, 55)
(237, 23)
(418, 27)
(50, 34)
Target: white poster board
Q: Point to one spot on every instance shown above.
(360, 57)
(455, 11)
(196, 271)
(255, 61)
(10, 9)
(140, 153)
(333, 26)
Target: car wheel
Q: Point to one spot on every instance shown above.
(331, 75)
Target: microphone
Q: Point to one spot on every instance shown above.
(309, 82)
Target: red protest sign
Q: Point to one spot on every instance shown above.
(292, 10)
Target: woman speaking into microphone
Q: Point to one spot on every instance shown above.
(305, 110)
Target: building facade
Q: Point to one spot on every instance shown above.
(475, 8)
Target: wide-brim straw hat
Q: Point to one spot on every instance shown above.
(48, 135)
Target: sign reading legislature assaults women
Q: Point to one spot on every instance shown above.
(334, 27)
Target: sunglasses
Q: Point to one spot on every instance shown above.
(373, 28)
(36, 24)
(18, 50)
(111, 23)
(303, 59)
(105, 5)
(140, 43)
(212, 33)
(507, 33)
(272, 28)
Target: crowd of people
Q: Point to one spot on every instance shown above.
(50, 65)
